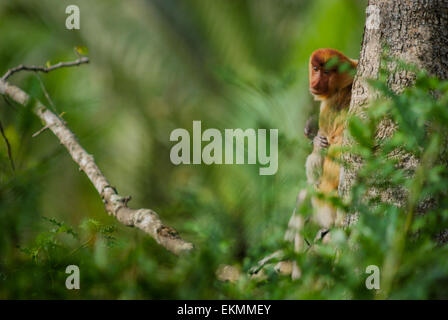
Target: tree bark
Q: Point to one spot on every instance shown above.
(415, 31)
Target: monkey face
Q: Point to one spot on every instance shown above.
(325, 80)
(319, 80)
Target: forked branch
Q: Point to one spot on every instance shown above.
(116, 205)
(59, 65)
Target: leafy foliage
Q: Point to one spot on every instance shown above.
(234, 64)
(404, 240)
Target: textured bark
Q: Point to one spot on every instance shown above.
(415, 31)
(116, 205)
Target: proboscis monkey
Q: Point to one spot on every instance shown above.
(330, 82)
(330, 78)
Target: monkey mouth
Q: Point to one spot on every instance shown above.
(316, 92)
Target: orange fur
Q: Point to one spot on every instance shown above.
(333, 89)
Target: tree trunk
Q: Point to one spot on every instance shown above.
(415, 31)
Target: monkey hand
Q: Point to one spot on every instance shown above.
(320, 142)
(311, 128)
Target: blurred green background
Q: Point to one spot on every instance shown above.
(156, 66)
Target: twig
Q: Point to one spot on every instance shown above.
(273, 257)
(116, 205)
(46, 127)
(47, 96)
(21, 67)
(39, 132)
(81, 246)
(8, 103)
(8, 147)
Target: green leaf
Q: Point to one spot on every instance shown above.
(82, 50)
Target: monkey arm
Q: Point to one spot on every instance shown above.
(315, 161)
(313, 166)
(311, 127)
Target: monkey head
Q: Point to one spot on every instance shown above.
(329, 71)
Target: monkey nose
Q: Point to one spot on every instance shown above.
(314, 90)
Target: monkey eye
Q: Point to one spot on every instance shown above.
(327, 71)
(315, 68)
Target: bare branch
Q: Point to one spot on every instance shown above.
(22, 67)
(116, 205)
